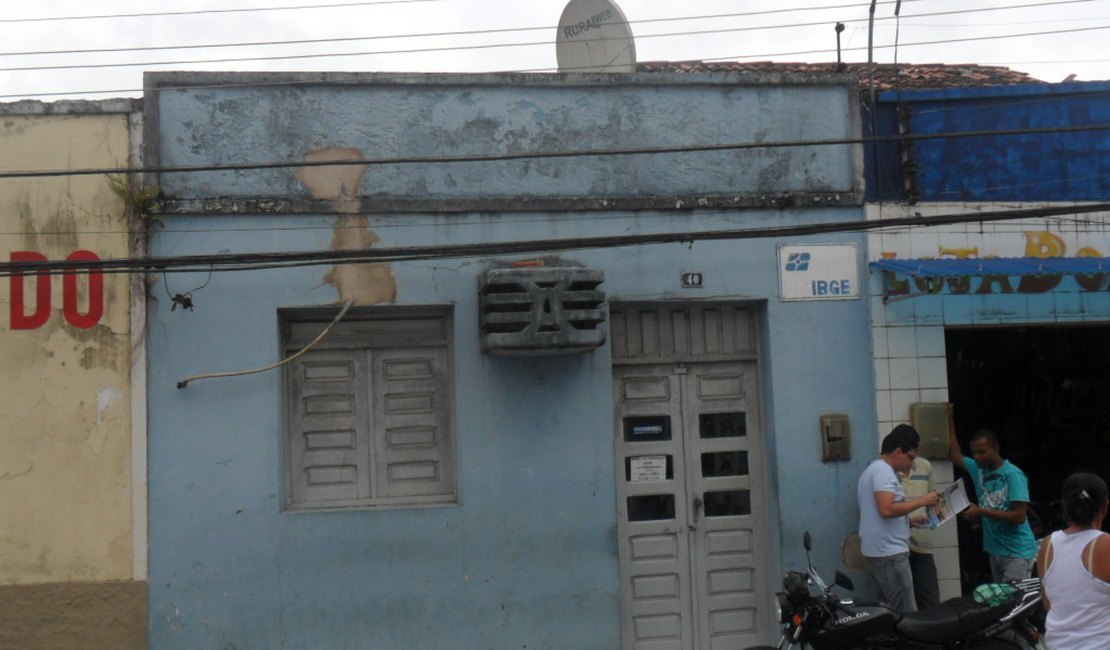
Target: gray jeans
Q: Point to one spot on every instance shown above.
(895, 580)
(1004, 569)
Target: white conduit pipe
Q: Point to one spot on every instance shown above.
(213, 375)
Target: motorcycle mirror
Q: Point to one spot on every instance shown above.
(844, 581)
(807, 541)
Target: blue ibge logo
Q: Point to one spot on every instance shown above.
(797, 262)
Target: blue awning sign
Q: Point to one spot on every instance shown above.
(1035, 274)
(1020, 266)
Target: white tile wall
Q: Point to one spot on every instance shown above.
(894, 241)
(932, 372)
(878, 342)
(930, 341)
(900, 401)
(882, 373)
(901, 342)
(948, 558)
(910, 367)
(924, 243)
(904, 374)
(953, 238)
(882, 402)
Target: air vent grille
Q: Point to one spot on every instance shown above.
(539, 311)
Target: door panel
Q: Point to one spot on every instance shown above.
(686, 438)
(719, 442)
(652, 509)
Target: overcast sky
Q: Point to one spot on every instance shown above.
(386, 36)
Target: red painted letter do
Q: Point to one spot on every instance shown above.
(21, 320)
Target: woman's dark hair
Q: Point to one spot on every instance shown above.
(1084, 498)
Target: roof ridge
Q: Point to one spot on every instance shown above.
(888, 76)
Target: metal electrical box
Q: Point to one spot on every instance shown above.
(836, 437)
(931, 421)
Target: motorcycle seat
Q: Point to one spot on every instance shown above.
(953, 619)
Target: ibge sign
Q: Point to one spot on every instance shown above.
(819, 272)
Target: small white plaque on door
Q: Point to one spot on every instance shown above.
(648, 468)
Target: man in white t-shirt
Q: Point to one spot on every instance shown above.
(884, 526)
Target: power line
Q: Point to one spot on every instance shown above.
(378, 2)
(409, 76)
(1002, 24)
(195, 12)
(920, 43)
(260, 261)
(533, 155)
(482, 46)
(474, 32)
(388, 36)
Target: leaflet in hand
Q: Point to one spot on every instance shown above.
(953, 499)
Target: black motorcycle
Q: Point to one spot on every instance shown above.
(814, 617)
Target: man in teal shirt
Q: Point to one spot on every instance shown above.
(1003, 494)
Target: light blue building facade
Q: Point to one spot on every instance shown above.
(427, 475)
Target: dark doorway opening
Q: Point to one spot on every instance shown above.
(1046, 392)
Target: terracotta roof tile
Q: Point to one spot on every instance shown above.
(888, 76)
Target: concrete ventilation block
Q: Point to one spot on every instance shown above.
(540, 311)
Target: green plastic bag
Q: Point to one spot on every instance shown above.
(993, 594)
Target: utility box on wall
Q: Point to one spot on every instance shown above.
(931, 421)
(541, 310)
(836, 437)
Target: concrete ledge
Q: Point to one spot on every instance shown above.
(372, 205)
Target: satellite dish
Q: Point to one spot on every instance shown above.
(594, 36)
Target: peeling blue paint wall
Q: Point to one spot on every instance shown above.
(528, 557)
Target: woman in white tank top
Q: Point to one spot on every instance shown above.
(1074, 565)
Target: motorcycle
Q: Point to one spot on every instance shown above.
(814, 617)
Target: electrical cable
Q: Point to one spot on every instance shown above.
(411, 76)
(239, 373)
(355, 4)
(671, 19)
(332, 5)
(485, 46)
(119, 91)
(291, 259)
(919, 43)
(535, 155)
(472, 32)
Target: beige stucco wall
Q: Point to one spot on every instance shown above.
(65, 391)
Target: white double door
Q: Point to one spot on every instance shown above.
(690, 505)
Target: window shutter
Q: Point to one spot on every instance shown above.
(412, 422)
(328, 427)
